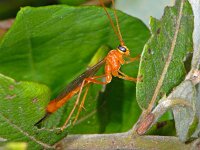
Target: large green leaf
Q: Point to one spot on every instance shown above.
(46, 38)
(21, 105)
(162, 65)
(72, 2)
(53, 45)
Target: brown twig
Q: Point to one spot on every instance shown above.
(120, 141)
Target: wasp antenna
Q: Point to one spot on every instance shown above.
(117, 31)
(117, 23)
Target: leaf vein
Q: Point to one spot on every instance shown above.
(29, 45)
(25, 133)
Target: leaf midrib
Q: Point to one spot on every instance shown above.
(25, 133)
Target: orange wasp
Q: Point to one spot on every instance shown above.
(113, 62)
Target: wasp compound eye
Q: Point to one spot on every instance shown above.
(121, 48)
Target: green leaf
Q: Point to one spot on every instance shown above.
(51, 36)
(21, 105)
(53, 45)
(162, 59)
(72, 2)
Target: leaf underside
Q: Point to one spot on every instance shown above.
(184, 116)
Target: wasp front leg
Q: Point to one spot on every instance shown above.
(132, 59)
